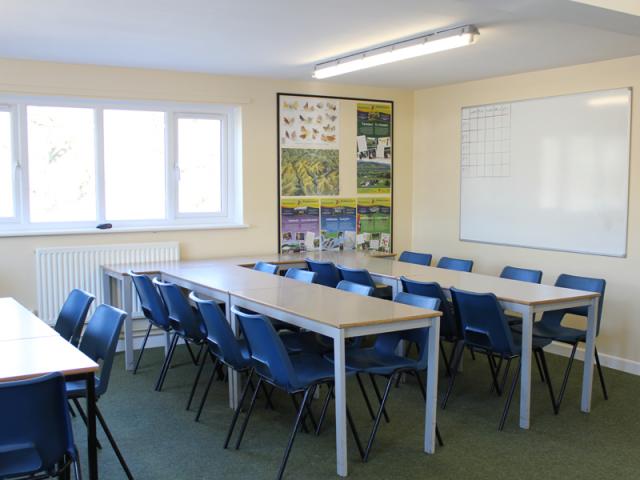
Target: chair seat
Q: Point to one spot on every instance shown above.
(297, 342)
(537, 342)
(369, 360)
(311, 369)
(383, 291)
(513, 319)
(78, 388)
(559, 333)
(19, 459)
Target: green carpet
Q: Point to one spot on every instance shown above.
(160, 439)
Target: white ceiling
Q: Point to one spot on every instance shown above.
(285, 38)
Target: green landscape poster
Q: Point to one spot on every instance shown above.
(373, 145)
(374, 224)
(309, 172)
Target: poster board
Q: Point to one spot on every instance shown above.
(335, 173)
(549, 173)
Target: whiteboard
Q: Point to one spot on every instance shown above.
(550, 173)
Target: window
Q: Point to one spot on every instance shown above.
(134, 165)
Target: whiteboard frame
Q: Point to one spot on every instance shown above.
(531, 247)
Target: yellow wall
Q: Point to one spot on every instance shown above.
(17, 265)
(436, 190)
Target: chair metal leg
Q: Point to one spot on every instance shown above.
(543, 362)
(144, 344)
(445, 360)
(71, 410)
(514, 383)
(267, 395)
(206, 390)
(540, 369)
(307, 414)
(376, 423)
(565, 380)
(246, 418)
(245, 389)
(375, 388)
(114, 445)
(193, 357)
(494, 374)
(458, 353)
(77, 471)
(195, 382)
(352, 426)
(601, 375)
(292, 436)
(325, 407)
(167, 362)
(365, 396)
(83, 416)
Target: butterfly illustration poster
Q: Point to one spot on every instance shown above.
(309, 122)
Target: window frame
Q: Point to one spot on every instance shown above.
(230, 215)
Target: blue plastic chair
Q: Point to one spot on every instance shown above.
(305, 276)
(73, 314)
(415, 257)
(187, 324)
(328, 274)
(382, 360)
(486, 330)
(266, 267)
(450, 327)
(296, 374)
(223, 346)
(35, 434)
(455, 264)
(523, 275)
(550, 325)
(363, 277)
(356, 288)
(153, 309)
(99, 343)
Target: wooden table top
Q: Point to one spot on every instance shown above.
(331, 306)
(18, 323)
(32, 357)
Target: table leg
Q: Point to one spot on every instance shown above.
(92, 448)
(525, 373)
(589, 356)
(341, 403)
(127, 306)
(234, 377)
(431, 404)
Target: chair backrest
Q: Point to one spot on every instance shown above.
(34, 414)
(266, 267)
(455, 264)
(484, 324)
(578, 283)
(356, 275)
(305, 276)
(152, 305)
(415, 257)
(522, 274)
(100, 340)
(347, 286)
(388, 342)
(328, 273)
(219, 333)
(267, 350)
(450, 327)
(181, 313)
(73, 314)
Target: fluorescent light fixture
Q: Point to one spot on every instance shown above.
(606, 101)
(394, 52)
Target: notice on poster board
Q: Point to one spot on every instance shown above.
(373, 145)
(299, 224)
(309, 122)
(338, 223)
(309, 172)
(374, 224)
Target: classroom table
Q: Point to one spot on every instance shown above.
(525, 298)
(40, 351)
(334, 313)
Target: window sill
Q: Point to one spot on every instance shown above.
(132, 229)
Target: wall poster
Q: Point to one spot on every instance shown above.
(335, 175)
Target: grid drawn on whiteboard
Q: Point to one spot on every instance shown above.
(486, 141)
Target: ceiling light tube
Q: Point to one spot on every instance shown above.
(423, 45)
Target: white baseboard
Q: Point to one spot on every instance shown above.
(610, 361)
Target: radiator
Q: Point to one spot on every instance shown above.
(61, 269)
